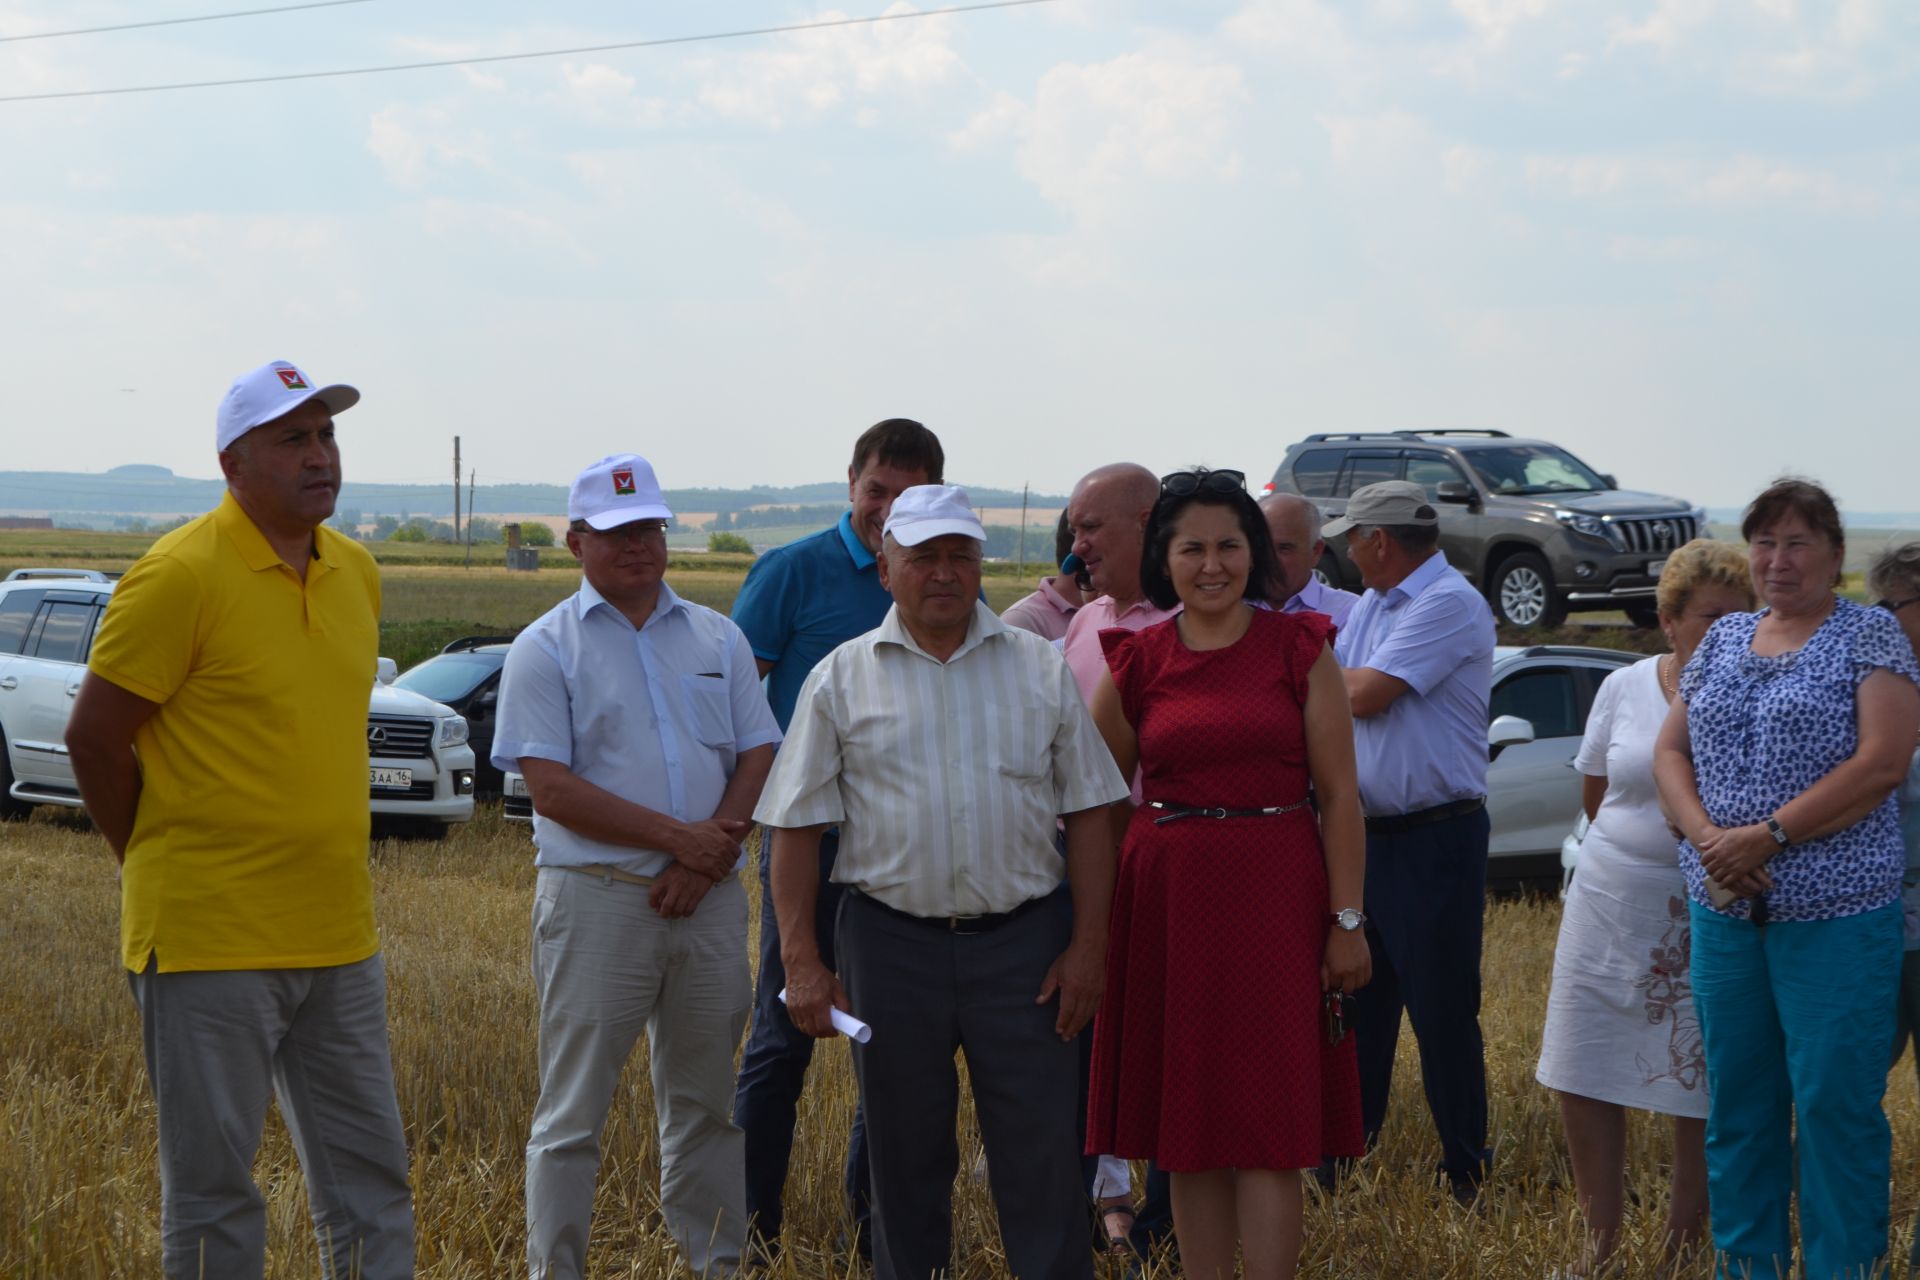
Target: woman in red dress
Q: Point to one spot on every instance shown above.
(1214, 1052)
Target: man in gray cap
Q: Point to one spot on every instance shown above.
(1418, 654)
(246, 907)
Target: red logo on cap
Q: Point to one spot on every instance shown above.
(292, 378)
(623, 480)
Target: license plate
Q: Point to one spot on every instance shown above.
(1653, 569)
(394, 779)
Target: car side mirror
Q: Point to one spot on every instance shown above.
(486, 701)
(1507, 731)
(386, 671)
(1606, 478)
(1454, 491)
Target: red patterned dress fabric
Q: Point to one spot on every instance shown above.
(1210, 1049)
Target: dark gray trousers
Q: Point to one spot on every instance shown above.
(927, 992)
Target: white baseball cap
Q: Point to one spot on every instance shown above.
(616, 490)
(929, 511)
(272, 391)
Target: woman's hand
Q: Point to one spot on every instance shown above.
(1737, 857)
(1348, 964)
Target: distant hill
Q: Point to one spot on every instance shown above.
(143, 490)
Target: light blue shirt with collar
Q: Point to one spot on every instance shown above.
(1429, 747)
(1318, 597)
(656, 714)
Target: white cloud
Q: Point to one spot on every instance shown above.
(1094, 131)
(1380, 145)
(813, 72)
(1746, 181)
(409, 141)
(1496, 20)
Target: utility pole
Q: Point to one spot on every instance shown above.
(456, 488)
(1023, 533)
(470, 485)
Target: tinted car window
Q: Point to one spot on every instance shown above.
(1314, 472)
(451, 676)
(1429, 470)
(1363, 469)
(16, 613)
(63, 632)
(1546, 697)
(1533, 468)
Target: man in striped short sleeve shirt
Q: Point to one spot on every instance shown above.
(945, 744)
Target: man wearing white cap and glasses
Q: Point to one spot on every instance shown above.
(638, 721)
(1418, 657)
(944, 744)
(246, 921)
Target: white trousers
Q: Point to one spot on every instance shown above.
(607, 966)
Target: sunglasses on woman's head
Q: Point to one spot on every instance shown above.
(1182, 483)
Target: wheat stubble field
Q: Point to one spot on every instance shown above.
(79, 1194)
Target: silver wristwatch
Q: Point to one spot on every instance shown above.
(1349, 918)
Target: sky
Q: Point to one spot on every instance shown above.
(1675, 236)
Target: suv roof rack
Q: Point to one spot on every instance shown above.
(1486, 432)
(465, 643)
(85, 575)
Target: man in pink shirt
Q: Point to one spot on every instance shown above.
(1108, 513)
(1048, 611)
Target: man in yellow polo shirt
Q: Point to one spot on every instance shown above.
(220, 745)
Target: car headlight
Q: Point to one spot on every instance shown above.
(1699, 515)
(453, 731)
(1581, 522)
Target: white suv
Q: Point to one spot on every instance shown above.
(421, 768)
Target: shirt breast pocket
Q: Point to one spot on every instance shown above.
(709, 709)
(1021, 740)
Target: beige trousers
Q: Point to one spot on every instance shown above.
(606, 967)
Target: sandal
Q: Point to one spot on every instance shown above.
(1119, 1238)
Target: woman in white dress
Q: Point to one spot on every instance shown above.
(1621, 1030)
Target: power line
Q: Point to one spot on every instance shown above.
(516, 57)
(175, 22)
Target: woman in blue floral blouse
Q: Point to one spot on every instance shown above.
(1778, 765)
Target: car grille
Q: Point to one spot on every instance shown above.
(418, 791)
(399, 736)
(517, 806)
(1657, 536)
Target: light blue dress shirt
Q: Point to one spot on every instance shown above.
(657, 715)
(1318, 597)
(1429, 747)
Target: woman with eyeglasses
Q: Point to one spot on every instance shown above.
(1894, 576)
(1219, 1051)
(1777, 763)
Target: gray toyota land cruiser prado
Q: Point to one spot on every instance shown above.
(1532, 526)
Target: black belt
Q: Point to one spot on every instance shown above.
(1424, 817)
(1173, 811)
(962, 925)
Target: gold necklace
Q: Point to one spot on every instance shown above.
(1665, 675)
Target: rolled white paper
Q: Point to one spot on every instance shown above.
(843, 1022)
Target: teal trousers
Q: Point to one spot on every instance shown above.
(1796, 1016)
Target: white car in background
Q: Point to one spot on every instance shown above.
(420, 772)
(1538, 714)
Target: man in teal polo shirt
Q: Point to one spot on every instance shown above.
(799, 603)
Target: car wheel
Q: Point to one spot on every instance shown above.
(11, 810)
(1643, 615)
(1522, 592)
(1327, 572)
